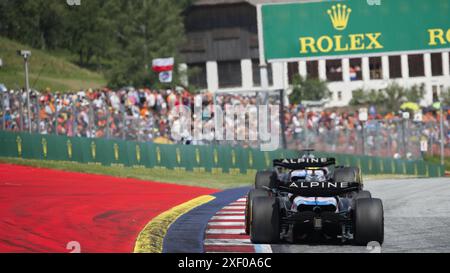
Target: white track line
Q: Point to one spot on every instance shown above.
(263, 249)
(238, 204)
(230, 212)
(228, 217)
(227, 242)
(223, 224)
(225, 231)
(234, 208)
(242, 200)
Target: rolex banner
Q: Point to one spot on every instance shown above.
(354, 27)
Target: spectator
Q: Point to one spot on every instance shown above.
(144, 114)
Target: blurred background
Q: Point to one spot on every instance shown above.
(90, 75)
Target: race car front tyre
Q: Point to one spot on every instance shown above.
(248, 207)
(368, 221)
(265, 221)
(265, 179)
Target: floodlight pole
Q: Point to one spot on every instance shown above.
(262, 62)
(262, 57)
(405, 152)
(363, 138)
(282, 121)
(26, 56)
(442, 133)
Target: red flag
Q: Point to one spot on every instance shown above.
(163, 65)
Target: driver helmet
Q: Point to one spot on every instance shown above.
(316, 175)
(298, 175)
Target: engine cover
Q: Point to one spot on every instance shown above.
(315, 204)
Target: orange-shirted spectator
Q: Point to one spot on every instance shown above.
(143, 114)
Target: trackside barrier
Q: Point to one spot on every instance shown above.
(211, 159)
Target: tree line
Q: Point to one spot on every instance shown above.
(117, 37)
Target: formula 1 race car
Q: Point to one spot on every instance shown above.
(311, 197)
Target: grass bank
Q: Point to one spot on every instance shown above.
(46, 70)
(209, 180)
(222, 181)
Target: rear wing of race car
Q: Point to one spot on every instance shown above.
(302, 163)
(319, 189)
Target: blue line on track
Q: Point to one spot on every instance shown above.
(187, 233)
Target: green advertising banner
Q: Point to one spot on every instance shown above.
(353, 27)
(200, 159)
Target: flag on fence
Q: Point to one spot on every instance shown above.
(165, 77)
(163, 65)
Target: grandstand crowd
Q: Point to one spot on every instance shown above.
(145, 115)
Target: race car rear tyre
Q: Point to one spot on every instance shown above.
(348, 174)
(368, 221)
(248, 206)
(265, 221)
(265, 179)
(363, 195)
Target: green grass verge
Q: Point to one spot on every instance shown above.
(223, 181)
(215, 181)
(46, 70)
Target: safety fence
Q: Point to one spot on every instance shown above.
(384, 138)
(212, 159)
(73, 116)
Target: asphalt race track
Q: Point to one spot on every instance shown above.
(42, 210)
(417, 219)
